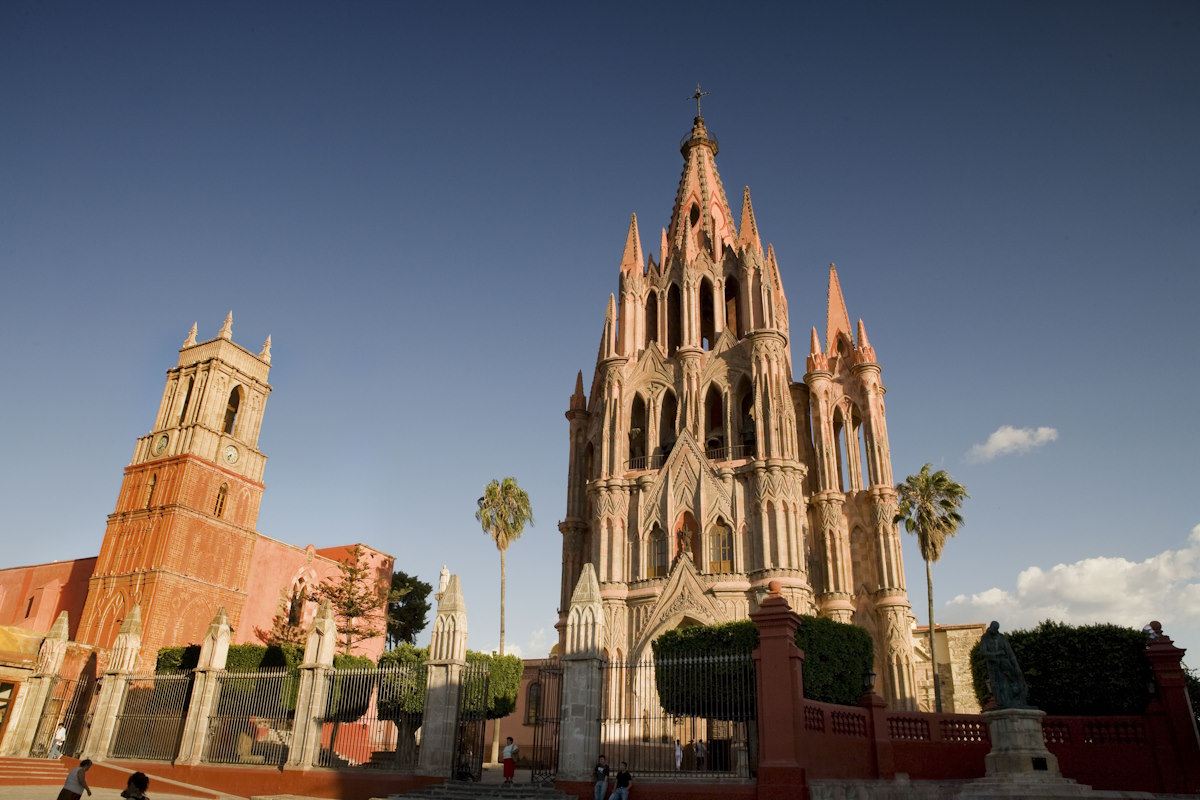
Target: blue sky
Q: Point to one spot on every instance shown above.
(425, 207)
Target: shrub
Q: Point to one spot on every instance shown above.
(1089, 669)
(402, 688)
(836, 656)
(504, 681)
(242, 658)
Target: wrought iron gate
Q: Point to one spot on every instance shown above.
(150, 721)
(472, 722)
(545, 713)
(71, 703)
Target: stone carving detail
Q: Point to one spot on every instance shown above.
(885, 512)
(831, 514)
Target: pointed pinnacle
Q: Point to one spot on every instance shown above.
(191, 337)
(836, 319)
(662, 253)
(631, 258)
(815, 344)
(226, 331)
(862, 334)
(748, 234)
(265, 353)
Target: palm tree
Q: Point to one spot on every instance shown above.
(503, 511)
(929, 506)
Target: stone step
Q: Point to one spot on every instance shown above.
(460, 790)
(31, 771)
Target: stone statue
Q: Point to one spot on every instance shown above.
(1004, 673)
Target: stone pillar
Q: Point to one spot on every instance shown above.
(27, 711)
(123, 661)
(1180, 767)
(882, 752)
(780, 696)
(447, 660)
(213, 652)
(579, 729)
(310, 699)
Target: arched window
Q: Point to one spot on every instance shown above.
(714, 423)
(674, 319)
(720, 547)
(708, 317)
(666, 424)
(187, 396)
(746, 418)
(651, 318)
(656, 556)
(860, 446)
(231, 409)
(589, 458)
(637, 434)
(839, 435)
(296, 603)
(533, 703)
(222, 494)
(732, 321)
(150, 489)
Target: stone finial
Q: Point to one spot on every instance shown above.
(191, 337)
(449, 640)
(863, 352)
(265, 353)
(578, 399)
(585, 620)
(443, 579)
(632, 259)
(664, 249)
(322, 637)
(54, 647)
(817, 361)
(214, 650)
(610, 327)
(226, 331)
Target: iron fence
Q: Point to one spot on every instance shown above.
(546, 717)
(472, 721)
(251, 719)
(372, 716)
(153, 708)
(694, 715)
(69, 704)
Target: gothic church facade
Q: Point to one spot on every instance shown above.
(700, 471)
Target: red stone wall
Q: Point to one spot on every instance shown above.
(55, 587)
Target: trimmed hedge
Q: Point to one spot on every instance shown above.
(1087, 670)
(1193, 687)
(402, 693)
(504, 681)
(836, 656)
(727, 689)
(242, 658)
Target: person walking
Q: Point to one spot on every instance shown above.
(60, 741)
(621, 792)
(510, 761)
(76, 783)
(701, 755)
(600, 775)
(678, 756)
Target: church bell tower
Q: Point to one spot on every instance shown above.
(180, 540)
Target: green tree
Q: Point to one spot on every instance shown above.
(407, 607)
(503, 513)
(357, 596)
(929, 507)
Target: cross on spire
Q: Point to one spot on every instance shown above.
(697, 97)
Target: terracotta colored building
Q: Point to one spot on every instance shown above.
(700, 471)
(182, 540)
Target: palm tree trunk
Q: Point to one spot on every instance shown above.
(496, 722)
(937, 684)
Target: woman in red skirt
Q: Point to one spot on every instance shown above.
(510, 761)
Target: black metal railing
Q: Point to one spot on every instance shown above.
(151, 718)
(252, 715)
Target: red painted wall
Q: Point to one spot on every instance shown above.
(54, 587)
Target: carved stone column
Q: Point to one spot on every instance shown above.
(447, 660)
(213, 652)
(126, 649)
(310, 700)
(582, 681)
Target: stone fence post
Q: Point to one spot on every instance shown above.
(780, 698)
(447, 660)
(213, 653)
(112, 687)
(1178, 764)
(582, 681)
(31, 701)
(310, 699)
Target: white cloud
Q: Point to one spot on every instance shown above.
(1165, 587)
(1006, 439)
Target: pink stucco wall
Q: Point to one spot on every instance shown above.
(53, 587)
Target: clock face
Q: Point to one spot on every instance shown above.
(231, 454)
(160, 446)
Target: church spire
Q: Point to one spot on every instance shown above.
(631, 258)
(863, 353)
(578, 399)
(837, 321)
(701, 219)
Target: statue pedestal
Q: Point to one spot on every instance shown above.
(1017, 744)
